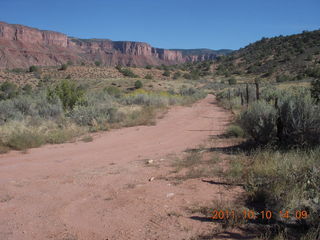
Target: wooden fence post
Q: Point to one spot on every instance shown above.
(257, 91)
(247, 93)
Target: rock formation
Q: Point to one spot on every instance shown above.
(22, 46)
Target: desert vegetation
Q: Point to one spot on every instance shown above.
(278, 163)
(65, 110)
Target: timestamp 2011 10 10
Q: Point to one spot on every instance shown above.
(251, 214)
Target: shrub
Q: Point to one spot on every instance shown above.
(68, 92)
(300, 118)
(232, 81)
(63, 67)
(35, 106)
(148, 76)
(166, 73)
(97, 63)
(33, 69)
(148, 67)
(113, 91)
(235, 131)
(27, 89)
(8, 90)
(97, 110)
(259, 122)
(315, 89)
(283, 78)
(176, 75)
(25, 139)
(138, 84)
(126, 72)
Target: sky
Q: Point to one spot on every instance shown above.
(214, 24)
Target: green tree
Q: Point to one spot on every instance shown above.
(69, 93)
(97, 63)
(138, 84)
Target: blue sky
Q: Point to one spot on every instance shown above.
(211, 24)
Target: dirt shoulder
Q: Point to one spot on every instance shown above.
(106, 189)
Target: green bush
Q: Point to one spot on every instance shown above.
(259, 122)
(138, 84)
(33, 69)
(98, 110)
(126, 72)
(148, 76)
(63, 67)
(148, 67)
(166, 73)
(176, 75)
(235, 131)
(36, 106)
(113, 91)
(97, 63)
(8, 90)
(300, 118)
(232, 81)
(25, 139)
(68, 92)
(315, 89)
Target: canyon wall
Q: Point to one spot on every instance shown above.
(22, 46)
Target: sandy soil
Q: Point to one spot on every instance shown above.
(102, 189)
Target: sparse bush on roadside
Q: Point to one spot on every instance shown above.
(259, 121)
(235, 131)
(35, 106)
(25, 139)
(315, 90)
(300, 121)
(96, 111)
(21, 135)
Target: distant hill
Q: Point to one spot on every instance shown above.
(282, 58)
(203, 51)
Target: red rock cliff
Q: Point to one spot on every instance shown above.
(22, 46)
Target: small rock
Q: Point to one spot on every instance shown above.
(170, 195)
(150, 161)
(151, 179)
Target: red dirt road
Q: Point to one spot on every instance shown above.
(101, 189)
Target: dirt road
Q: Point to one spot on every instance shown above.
(101, 189)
